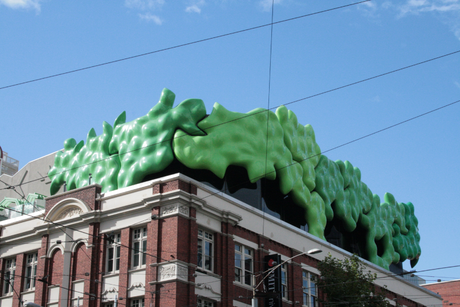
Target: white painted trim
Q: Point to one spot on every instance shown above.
(64, 204)
(53, 248)
(245, 242)
(76, 243)
(310, 269)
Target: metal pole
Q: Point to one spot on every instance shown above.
(254, 302)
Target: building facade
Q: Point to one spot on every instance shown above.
(180, 208)
(448, 290)
(171, 241)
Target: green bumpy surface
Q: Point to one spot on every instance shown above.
(124, 155)
(268, 145)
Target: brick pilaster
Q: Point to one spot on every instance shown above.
(153, 249)
(41, 288)
(18, 280)
(125, 263)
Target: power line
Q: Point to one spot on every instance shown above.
(180, 45)
(288, 103)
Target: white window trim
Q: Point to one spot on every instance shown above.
(309, 276)
(243, 268)
(141, 254)
(116, 246)
(285, 289)
(202, 302)
(11, 270)
(33, 271)
(140, 300)
(206, 237)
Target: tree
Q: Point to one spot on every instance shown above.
(346, 283)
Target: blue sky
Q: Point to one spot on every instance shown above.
(417, 161)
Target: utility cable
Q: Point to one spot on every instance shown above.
(180, 45)
(288, 103)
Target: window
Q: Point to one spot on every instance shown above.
(205, 250)
(113, 252)
(309, 289)
(139, 247)
(8, 278)
(31, 271)
(244, 267)
(138, 302)
(284, 282)
(204, 303)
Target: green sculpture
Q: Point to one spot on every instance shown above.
(268, 145)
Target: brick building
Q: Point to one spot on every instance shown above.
(448, 290)
(177, 209)
(169, 241)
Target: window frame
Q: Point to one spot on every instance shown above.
(307, 293)
(137, 302)
(284, 281)
(139, 254)
(205, 250)
(246, 278)
(30, 273)
(113, 248)
(10, 271)
(203, 302)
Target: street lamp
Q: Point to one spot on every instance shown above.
(267, 272)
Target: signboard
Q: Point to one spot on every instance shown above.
(272, 281)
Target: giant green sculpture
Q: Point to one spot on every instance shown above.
(268, 145)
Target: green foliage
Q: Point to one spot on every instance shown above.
(347, 283)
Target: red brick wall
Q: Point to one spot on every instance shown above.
(56, 268)
(18, 279)
(174, 185)
(42, 270)
(87, 195)
(125, 263)
(449, 291)
(80, 262)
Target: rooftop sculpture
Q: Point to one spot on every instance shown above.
(268, 145)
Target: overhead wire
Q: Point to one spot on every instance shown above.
(308, 97)
(287, 103)
(180, 45)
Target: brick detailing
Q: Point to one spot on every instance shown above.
(226, 263)
(81, 265)
(18, 279)
(170, 239)
(449, 291)
(56, 269)
(87, 195)
(174, 185)
(153, 252)
(80, 262)
(125, 263)
(94, 252)
(41, 288)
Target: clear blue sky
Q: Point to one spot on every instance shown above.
(418, 161)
